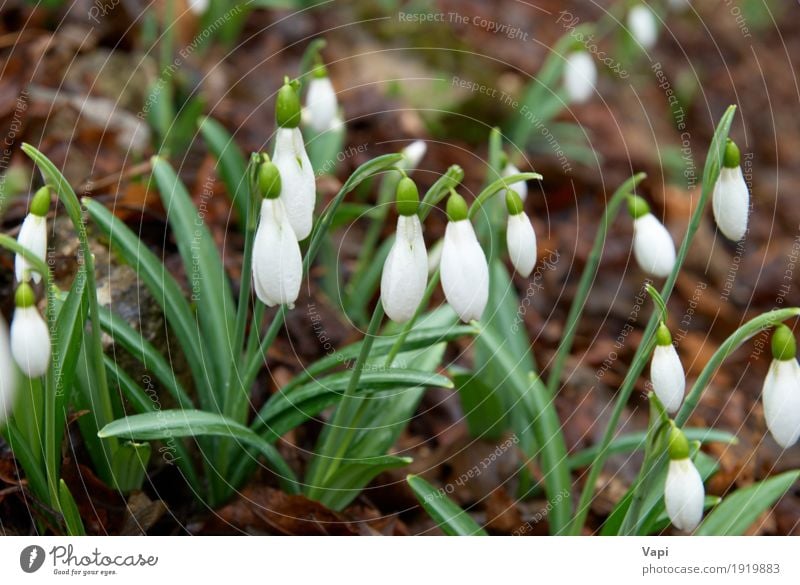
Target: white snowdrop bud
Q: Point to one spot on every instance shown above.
(33, 236)
(520, 237)
(405, 272)
(277, 263)
(464, 270)
(642, 25)
(198, 7)
(731, 199)
(652, 245)
(322, 107)
(299, 190)
(8, 374)
(683, 491)
(781, 391)
(413, 155)
(666, 371)
(30, 338)
(521, 187)
(580, 76)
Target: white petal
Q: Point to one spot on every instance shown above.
(8, 374)
(731, 203)
(405, 272)
(32, 235)
(521, 242)
(781, 395)
(642, 25)
(667, 375)
(30, 342)
(321, 104)
(198, 6)
(414, 154)
(580, 76)
(521, 187)
(298, 186)
(277, 263)
(653, 246)
(684, 494)
(464, 271)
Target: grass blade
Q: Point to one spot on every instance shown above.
(451, 519)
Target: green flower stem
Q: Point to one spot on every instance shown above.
(401, 338)
(29, 414)
(588, 277)
(496, 187)
(342, 431)
(737, 338)
(640, 359)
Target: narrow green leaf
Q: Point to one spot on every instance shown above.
(739, 510)
(129, 465)
(72, 517)
(451, 519)
(231, 164)
(350, 479)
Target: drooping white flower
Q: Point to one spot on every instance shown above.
(8, 374)
(781, 391)
(520, 237)
(683, 491)
(405, 272)
(297, 176)
(666, 371)
(198, 7)
(277, 263)
(731, 198)
(580, 76)
(30, 337)
(521, 187)
(33, 236)
(413, 155)
(652, 245)
(642, 25)
(322, 107)
(464, 270)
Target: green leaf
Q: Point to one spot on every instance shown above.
(349, 480)
(72, 517)
(204, 269)
(165, 424)
(231, 164)
(163, 287)
(129, 465)
(324, 150)
(482, 406)
(451, 519)
(739, 510)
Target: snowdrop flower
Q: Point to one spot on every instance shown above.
(8, 374)
(580, 76)
(683, 490)
(33, 236)
(413, 154)
(30, 338)
(298, 192)
(731, 199)
(464, 270)
(642, 25)
(652, 244)
(520, 237)
(277, 264)
(666, 371)
(405, 272)
(198, 7)
(322, 109)
(781, 392)
(521, 187)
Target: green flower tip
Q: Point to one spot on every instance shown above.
(784, 346)
(40, 204)
(269, 180)
(637, 207)
(407, 197)
(456, 207)
(24, 296)
(678, 446)
(663, 336)
(319, 71)
(287, 106)
(513, 202)
(732, 155)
